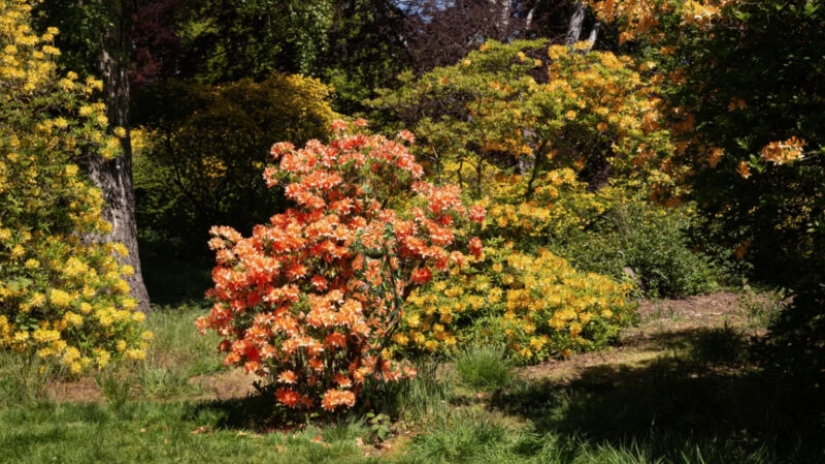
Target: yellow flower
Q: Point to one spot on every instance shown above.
(59, 298)
(102, 357)
(120, 249)
(17, 251)
(45, 336)
(120, 286)
(61, 123)
(136, 355)
(401, 339)
(85, 308)
(75, 367)
(70, 355)
(73, 319)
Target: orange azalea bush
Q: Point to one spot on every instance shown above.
(309, 301)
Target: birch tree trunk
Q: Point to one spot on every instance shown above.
(574, 31)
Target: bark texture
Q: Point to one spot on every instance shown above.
(114, 176)
(574, 31)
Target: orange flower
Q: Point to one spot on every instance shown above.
(421, 276)
(715, 156)
(476, 247)
(336, 339)
(335, 398)
(316, 364)
(743, 169)
(287, 377)
(288, 397)
(343, 381)
(478, 213)
(319, 282)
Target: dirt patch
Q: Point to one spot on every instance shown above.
(694, 312)
(222, 386)
(664, 325)
(82, 390)
(227, 385)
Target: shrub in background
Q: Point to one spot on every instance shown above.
(604, 231)
(199, 163)
(310, 300)
(62, 296)
(650, 243)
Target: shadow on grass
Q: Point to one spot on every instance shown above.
(253, 412)
(702, 398)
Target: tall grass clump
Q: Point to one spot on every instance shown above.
(484, 367)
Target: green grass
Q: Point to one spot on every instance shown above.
(150, 432)
(484, 367)
(700, 402)
(178, 345)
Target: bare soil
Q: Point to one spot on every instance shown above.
(664, 326)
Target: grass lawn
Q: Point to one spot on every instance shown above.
(679, 388)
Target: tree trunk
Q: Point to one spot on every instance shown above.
(574, 31)
(114, 176)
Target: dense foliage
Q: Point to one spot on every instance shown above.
(203, 156)
(747, 101)
(535, 304)
(62, 294)
(602, 170)
(310, 300)
(503, 105)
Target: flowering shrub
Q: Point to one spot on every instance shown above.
(515, 107)
(62, 297)
(309, 300)
(537, 304)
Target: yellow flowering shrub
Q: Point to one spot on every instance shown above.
(528, 108)
(559, 204)
(537, 304)
(62, 296)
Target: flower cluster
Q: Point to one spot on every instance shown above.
(783, 152)
(310, 299)
(642, 17)
(62, 297)
(537, 304)
(598, 113)
(559, 204)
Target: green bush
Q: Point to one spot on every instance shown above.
(638, 240)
